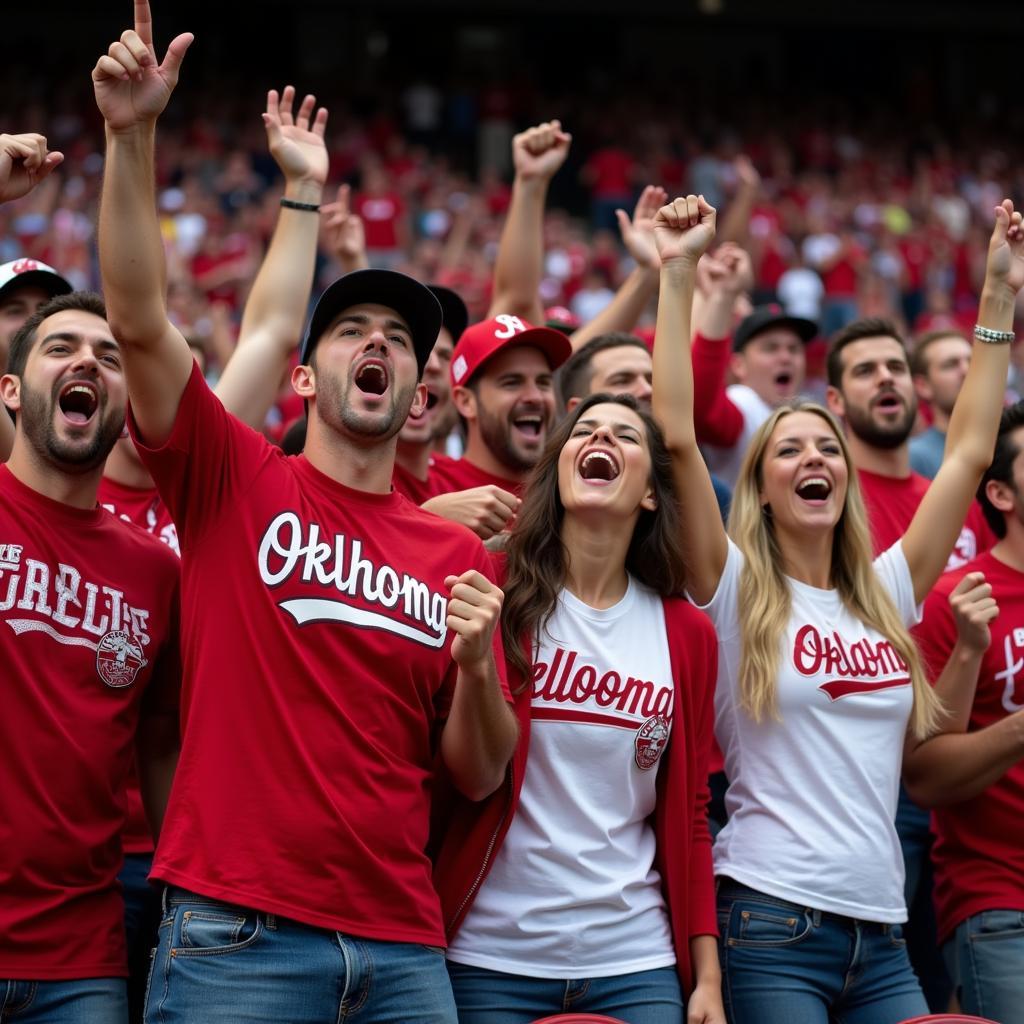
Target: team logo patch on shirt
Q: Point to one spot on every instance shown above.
(119, 658)
(650, 741)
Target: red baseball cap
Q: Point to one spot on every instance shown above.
(481, 341)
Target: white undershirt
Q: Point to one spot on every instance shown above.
(725, 462)
(812, 796)
(573, 892)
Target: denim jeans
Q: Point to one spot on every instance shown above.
(783, 963)
(85, 1001)
(216, 963)
(494, 997)
(141, 918)
(986, 958)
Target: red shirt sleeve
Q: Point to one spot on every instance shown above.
(716, 418)
(935, 634)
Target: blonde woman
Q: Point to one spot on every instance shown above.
(819, 682)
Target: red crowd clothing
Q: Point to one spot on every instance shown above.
(447, 475)
(891, 503)
(979, 843)
(143, 507)
(717, 419)
(410, 485)
(88, 630)
(317, 674)
(381, 215)
(469, 834)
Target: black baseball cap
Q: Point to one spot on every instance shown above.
(772, 315)
(453, 310)
(412, 301)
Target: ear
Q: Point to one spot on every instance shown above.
(419, 400)
(649, 501)
(834, 401)
(572, 403)
(465, 402)
(738, 366)
(304, 382)
(923, 388)
(10, 392)
(1001, 495)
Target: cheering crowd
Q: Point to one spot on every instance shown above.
(455, 658)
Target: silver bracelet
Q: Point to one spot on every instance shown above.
(990, 337)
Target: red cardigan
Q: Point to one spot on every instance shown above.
(470, 834)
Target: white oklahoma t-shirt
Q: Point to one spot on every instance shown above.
(812, 796)
(573, 892)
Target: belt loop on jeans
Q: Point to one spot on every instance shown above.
(816, 917)
(163, 901)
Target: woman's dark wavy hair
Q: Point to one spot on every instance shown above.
(537, 559)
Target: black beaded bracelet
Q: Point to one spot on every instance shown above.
(294, 204)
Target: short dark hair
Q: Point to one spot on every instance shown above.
(1001, 466)
(25, 338)
(575, 375)
(918, 362)
(866, 327)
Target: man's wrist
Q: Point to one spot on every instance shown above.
(479, 670)
(142, 130)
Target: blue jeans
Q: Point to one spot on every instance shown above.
(783, 963)
(494, 997)
(216, 963)
(84, 1001)
(986, 959)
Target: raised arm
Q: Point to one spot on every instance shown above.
(537, 154)
(683, 230)
(624, 311)
(275, 311)
(735, 225)
(24, 162)
(974, 423)
(132, 89)
(344, 233)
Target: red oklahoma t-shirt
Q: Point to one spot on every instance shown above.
(979, 843)
(448, 475)
(317, 671)
(891, 503)
(143, 507)
(88, 609)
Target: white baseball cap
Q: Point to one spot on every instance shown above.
(32, 272)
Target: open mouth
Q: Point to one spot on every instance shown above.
(598, 465)
(531, 425)
(784, 379)
(815, 489)
(372, 377)
(78, 402)
(889, 403)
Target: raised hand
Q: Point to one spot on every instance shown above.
(683, 229)
(474, 609)
(973, 608)
(638, 233)
(24, 162)
(486, 510)
(343, 231)
(539, 152)
(730, 271)
(297, 144)
(131, 86)
(1005, 265)
(746, 173)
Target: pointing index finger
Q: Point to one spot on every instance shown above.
(144, 22)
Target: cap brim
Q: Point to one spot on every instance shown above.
(455, 315)
(412, 301)
(553, 343)
(52, 284)
(805, 330)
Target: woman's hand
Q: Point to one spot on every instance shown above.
(683, 230)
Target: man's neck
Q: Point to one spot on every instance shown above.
(414, 458)
(484, 459)
(1010, 550)
(77, 490)
(891, 462)
(596, 571)
(122, 469)
(940, 420)
(363, 467)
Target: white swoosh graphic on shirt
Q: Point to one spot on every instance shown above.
(315, 609)
(33, 626)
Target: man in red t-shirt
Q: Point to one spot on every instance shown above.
(871, 388)
(88, 641)
(336, 638)
(502, 385)
(973, 776)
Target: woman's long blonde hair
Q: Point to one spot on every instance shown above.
(764, 597)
